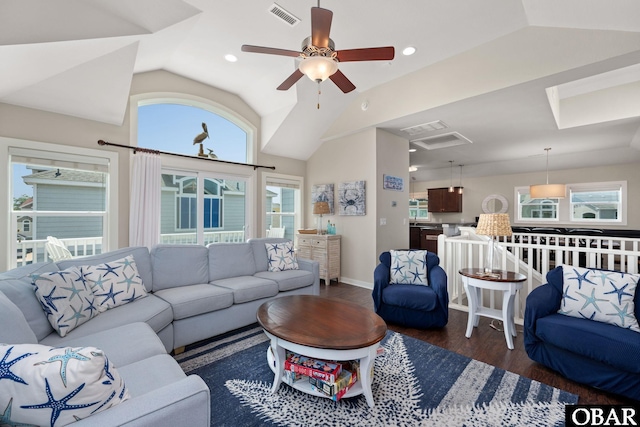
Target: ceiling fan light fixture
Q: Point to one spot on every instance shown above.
(318, 68)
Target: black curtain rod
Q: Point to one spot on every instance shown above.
(148, 150)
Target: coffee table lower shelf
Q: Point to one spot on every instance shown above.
(366, 355)
(305, 386)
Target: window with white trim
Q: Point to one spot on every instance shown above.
(63, 192)
(595, 203)
(283, 205)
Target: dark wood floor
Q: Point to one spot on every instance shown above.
(486, 344)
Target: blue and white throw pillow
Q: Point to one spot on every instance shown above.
(115, 283)
(66, 298)
(408, 268)
(604, 296)
(281, 256)
(47, 386)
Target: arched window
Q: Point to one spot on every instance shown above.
(202, 201)
(178, 128)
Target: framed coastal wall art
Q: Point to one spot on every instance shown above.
(323, 193)
(351, 198)
(394, 183)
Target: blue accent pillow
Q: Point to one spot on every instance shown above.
(281, 256)
(408, 267)
(600, 295)
(49, 386)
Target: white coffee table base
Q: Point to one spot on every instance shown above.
(473, 289)
(367, 356)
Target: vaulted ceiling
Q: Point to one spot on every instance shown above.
(512, 77)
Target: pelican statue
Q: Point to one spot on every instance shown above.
(200, 138)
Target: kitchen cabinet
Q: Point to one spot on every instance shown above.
(324, 248)
(414, 238)
(429, 239)
(441, 200)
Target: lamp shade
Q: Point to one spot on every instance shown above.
(321, 208)
(548, 191)
(318, 68)
(496, 224)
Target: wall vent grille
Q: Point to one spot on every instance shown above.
(284, 15)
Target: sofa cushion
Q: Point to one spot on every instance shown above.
(187, 301)
(281, 256)
(289, 279)
(179, 265)
(19, 332)
(230, 260)
(115, 283)
(152, 310)
(57, 386)
(408, 267)
(139, 253)
(66, 298)
(421, 298)
(123, 344)
(248, 288)
(143, 376)
(600, 295)
(603, 342)
(16, 285)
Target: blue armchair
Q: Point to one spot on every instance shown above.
(413, 306)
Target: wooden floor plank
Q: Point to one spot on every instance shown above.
(486, 344)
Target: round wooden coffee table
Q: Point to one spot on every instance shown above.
(322, 328)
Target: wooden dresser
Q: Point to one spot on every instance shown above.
(324, 248)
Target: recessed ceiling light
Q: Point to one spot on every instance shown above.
(409, 50)
(231, 58)
(412, 150)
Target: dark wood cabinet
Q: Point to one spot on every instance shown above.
(441, 200)
(414, 238)
(429, 239)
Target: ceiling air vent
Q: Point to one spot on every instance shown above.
(441, 141)
(425, 127)
(283, 15)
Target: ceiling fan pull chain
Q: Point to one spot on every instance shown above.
(318, 95)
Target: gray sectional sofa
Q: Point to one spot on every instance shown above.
(194, 292)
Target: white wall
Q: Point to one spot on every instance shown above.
(476, 189)
(351, 158)
(42, 126)
(392, 158)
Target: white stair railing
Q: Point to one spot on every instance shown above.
(532, 255)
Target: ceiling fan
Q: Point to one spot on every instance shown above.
(319, 58)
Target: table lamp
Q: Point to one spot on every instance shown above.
(320, 208)
(493, 225)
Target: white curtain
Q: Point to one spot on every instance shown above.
(144, 211)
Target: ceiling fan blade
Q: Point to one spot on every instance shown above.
(320, 26)
(366, 54)
(342, 82)
(291, 80)
(269, 50)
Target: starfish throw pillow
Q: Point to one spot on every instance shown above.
(601, 295)
(408, 267)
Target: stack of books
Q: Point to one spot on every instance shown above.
(331, 378)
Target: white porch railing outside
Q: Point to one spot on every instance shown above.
(209, 237)
(32, 251)
(532, 255)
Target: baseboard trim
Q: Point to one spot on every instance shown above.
(355, 282)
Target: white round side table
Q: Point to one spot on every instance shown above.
(509, 282)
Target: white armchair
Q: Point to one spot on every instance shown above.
(275, 232)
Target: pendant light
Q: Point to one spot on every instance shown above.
(451, 183)
(547, 191)
(460, 187)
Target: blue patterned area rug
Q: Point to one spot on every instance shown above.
(415, 384)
